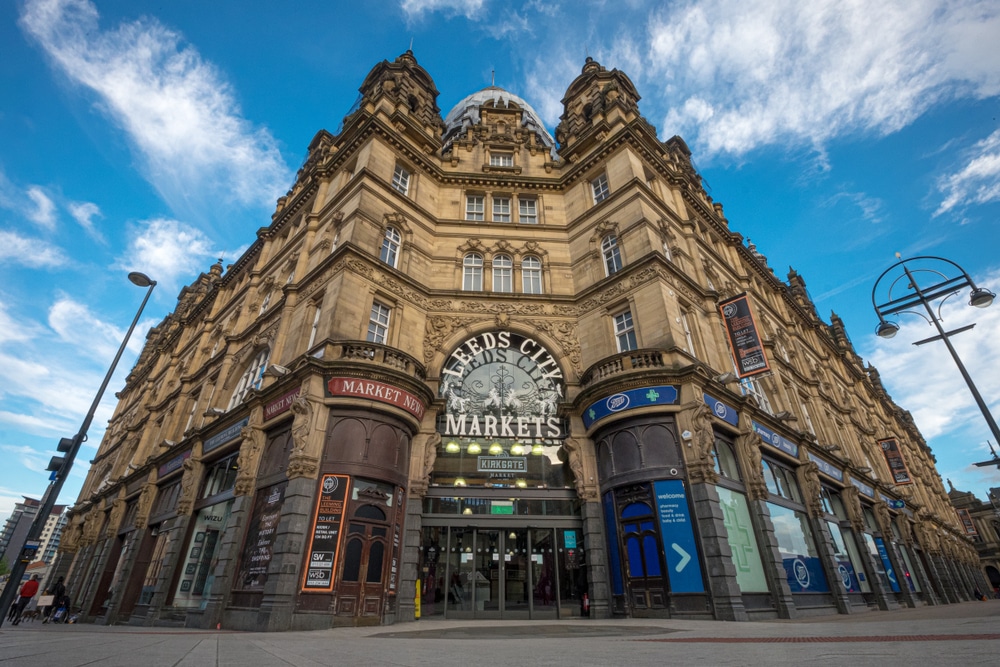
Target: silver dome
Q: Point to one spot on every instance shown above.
(465, 114)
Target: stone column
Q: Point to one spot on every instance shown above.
(727, 599)
(176, 529)
(410, 559)
(225, 569)
(595, 542)
(808, 477)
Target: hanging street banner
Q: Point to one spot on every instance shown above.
(894, 457)
(744, 339)
(321, 556)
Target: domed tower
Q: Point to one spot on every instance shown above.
(596, 100)
(497, 118)
(405, 88)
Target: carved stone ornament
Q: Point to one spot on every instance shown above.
(248, 459)
(144, 504)
(883, 517)
(300, 462)
(189, 487)
(748, 450)
(431, 443)
(574, 452)
(700, 449)
(70, 540)
(852, 505)
(115, 517)
(92, 526)
(808, 474)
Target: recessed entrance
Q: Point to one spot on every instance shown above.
(502, 572)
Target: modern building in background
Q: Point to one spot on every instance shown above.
(15, 531)
(473, 370)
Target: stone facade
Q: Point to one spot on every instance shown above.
(473, 370)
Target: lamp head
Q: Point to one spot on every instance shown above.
(140, 279)
(886, 329)
(981, 297)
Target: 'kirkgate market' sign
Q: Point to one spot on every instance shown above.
(501, 384)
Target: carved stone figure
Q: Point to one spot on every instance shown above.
(248, 458)
(808, 474)
(70, 541)
(430, 456)
(189, 486)
(144, 504)
(574, 454)
(302, 408)
(852, 505)
(748, 449)
(115, 517)
(884, 518)
(700, 461)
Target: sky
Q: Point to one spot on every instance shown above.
(156, 136)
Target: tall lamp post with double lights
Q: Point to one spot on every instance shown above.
(60, 466)
(943, 278)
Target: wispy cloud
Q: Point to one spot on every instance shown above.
(43, 212)
(178, 110)
(167, 251)
(415, 9)
(978, 182)
(84, 213)
(31, 252)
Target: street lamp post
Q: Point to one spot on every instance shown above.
(71, 446)
(916, 294)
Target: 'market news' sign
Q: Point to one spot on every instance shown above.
(744, 339)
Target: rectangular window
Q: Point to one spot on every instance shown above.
(501, 160)
(401, 179)
(501, 209)
(527, 210)
(378, 323)
(600, 188)
(475, 207)
(688, 338)
(315, 327)
(625, 331)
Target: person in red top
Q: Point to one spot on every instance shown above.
(28, 591)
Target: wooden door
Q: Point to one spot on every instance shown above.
(362, 581)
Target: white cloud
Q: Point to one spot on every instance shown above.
(176, 108)
(739, 74)
(415, 9)
(71, 319)
(33, 253)
(167, 251)
(29, 457)
(44, 213)
(84, 213)
(978, 182)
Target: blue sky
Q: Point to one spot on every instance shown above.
(156, 136)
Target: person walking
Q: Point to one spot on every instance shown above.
(28, 591)
(58, 591)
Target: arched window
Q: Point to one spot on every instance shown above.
(472, 272)
(531, 275)
(251, 379)
(390, 246)
(612, 256)
(503, 272)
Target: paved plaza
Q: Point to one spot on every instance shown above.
(958, 635)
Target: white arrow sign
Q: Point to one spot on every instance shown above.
(685, 557)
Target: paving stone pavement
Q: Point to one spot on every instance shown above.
(955, 635)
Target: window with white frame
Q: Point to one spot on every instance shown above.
(527, 211)
(625, 331)
(472, 272)
(265, 303)
(378, 323)
(251, 378)
(503, 274)
(666, 251)
(401, 179)
(804, 404)
(501, 159)
(336, 239)
(317, 311)
(531, 275)
(475, 207)
(688, 338)
(600, 188)
(390, 246)
(501, 209)
(612, 256)
(751, 386)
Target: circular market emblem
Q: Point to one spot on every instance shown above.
(845, 576)
(617, 402)
(330, 484)
(801, 573)
(720, 409)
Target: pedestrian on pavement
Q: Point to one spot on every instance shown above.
(58, 591)
(28, 591)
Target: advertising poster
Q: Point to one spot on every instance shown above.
(262, 530)
(324, 540)
(894, 457)
(967, 523)
(678, 537)
(744, 340)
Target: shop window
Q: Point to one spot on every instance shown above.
(531, 275)
(781, 481)
(401, 179)
(378, 323)
(742, 540)
(799, 556)
(503, 274)
(390, 246)
(166, 499)
(527, 210)
(501, 209)
(612, 255)
(625, 331)
(472, 272)
(599, 186)
(725, 461)
(475, 208)
(220, 477)
(251, 378)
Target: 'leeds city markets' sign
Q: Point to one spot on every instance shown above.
(501, 384)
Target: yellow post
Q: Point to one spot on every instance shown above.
(416, 603)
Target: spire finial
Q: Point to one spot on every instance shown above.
(493, 77)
